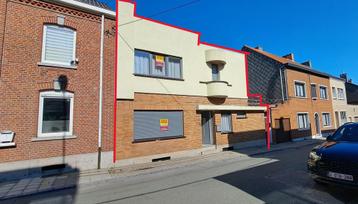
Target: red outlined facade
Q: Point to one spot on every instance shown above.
(199, 42)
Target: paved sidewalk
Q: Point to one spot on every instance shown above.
(36, 185)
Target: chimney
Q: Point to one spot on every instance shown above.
(259, 48)
(289, 56)
(344, 76)
(307, 63)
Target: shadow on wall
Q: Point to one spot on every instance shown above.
(247, 136)
(51, 184)
(282, 179)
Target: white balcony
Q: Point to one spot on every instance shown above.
(218, 89)
(215, 56)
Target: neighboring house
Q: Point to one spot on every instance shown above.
(339, 100)
(50, 84)
(178, 96)
(301, 103)
(352, 99)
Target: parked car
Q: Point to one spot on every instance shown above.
(336, 160)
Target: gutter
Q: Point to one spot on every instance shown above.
(100, 95)
(299, 68)
(85, 7)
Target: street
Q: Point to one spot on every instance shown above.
(275, 177)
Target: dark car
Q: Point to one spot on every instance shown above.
(336, 160)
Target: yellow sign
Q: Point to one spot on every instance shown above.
(159, 60)
(164, 124)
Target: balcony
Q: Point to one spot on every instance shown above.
(215, 56)
(218, 89)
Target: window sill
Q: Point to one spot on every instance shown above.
(44, 64)
(158, 77)
(38, 139)
(304, 129)
(301, 97)
(10, 144)
(157, 139)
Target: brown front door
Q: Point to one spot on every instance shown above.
(282, 130)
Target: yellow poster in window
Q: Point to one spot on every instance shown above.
(164, 124)
(159, 60)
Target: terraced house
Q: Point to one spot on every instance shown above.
(299, 96)
(54, 109)
(177, 95)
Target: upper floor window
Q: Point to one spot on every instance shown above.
(334, 92)
(313, 90)
(55, 114)
(300, 89)
(340, 94)
(215, 72)
(323, 92)
(59, 45)
(150, 64)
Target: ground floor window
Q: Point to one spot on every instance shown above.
(55, 114)
(326, 119)
(303, 122)
(226, 123)
(152, 125)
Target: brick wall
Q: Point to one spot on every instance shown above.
(294, 105)
(22, 80)
(244, 130)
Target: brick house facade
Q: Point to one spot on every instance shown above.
(24, 76)
(178, 96)
(299, 96)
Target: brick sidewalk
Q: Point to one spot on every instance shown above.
(34, 185)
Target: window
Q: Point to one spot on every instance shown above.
(302, 120)
(150, 64)
(347, 133)
(343, 117)
(326, 118)
(313, 91)
(334, 92)
(215, 72)
(153, 125)
(241, 115)
(340, 94)
(226, 123)
(55, 114)
(323, 92)
(300, 89)
(59, 45)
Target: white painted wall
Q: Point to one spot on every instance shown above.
(338, 104)
(136, 33)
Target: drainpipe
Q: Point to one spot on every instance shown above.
(100, 95)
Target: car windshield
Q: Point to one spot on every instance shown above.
(347, 133)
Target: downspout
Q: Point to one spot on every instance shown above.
(100, 95)
(281, 80)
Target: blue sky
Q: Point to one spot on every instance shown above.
(324, 31)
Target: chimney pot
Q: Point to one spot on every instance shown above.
(307, 63)
(289, 56)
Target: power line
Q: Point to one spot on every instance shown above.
(164, 11)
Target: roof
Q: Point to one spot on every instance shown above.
(95, 3)
(289, 63)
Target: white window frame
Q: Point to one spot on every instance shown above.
(43, 61)
(57, 95)
(308, 121)
(329, 117)
(338, 96)
(304, 88)
(231, 125)
(334, 90)
(320, 96)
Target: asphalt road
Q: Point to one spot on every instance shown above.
(276, 177)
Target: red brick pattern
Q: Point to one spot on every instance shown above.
(22, 80)
(192, 124)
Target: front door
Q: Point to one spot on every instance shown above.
(318, 127)
(207, 128)
(283, 130)
(337, 119)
